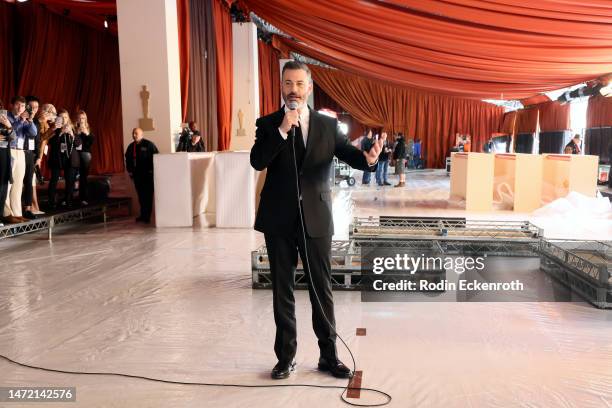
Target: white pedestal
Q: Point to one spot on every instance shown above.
(184, 188)
(235, 195)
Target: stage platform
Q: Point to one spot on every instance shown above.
(55, 218)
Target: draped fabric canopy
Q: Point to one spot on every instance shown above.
(503, 49)
(433, 118)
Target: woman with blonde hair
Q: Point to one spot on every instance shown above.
(83, 132)
(46, 116)
(63, 156)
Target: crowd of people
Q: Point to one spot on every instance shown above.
(399, 153)
(28, 132)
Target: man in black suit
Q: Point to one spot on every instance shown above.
(315, 139)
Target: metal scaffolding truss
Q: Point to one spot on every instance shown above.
(78, 214)
(591, 258)
(344, 256)
(389, 228)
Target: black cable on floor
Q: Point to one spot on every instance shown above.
(52, 370)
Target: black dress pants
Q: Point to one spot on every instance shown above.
(69, 179)
(282, 254)
(84, 174)
(5, 175)
(144, 189)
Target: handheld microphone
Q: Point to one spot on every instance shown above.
(293, 105)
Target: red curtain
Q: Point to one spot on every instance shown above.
(182, 9)
(433, 118)
(509, 123)
(324, 101)
(554, 116)
(269, 79)
(223, 44)
(7, 53)
(470, 48)
(75, 67)
(599, 112)
(527, 120)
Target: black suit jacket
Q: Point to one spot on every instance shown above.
(278, 209)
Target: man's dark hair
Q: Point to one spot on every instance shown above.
(576, 136)
(32, 98)
(17, 99)
(293, 65)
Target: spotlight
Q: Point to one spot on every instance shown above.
(21, 1)
(105, 23)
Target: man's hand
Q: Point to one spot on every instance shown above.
(4, 121)
(372, 155)
(291, 118)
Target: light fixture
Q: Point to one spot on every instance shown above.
(21, 1)
(105, 23)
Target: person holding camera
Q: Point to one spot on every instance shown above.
(63, 156)
(87, 138)
(6, 134)
(139, 164)
(23, 125)
(30, 151)
(191, 139)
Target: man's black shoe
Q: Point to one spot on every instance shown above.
(282, 370)
(336, 368)
(29, 215)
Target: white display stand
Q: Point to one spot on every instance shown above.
(184, 188)
(235, 196)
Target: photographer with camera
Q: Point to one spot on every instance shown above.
(63, 156)
(6, 134)
(23, 125)
(191, 139)
(87, 138)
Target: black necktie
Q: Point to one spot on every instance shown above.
(300, 149)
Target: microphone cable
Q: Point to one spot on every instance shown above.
(231, 385)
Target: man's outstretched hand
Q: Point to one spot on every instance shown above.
(372, 155)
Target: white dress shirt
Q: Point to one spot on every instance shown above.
(304, 122)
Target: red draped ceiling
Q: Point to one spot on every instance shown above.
(431, 117)
(471, 48)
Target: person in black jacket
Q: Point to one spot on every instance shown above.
(191, 139)
(295, 215)
(573, 145)
(399, 155)
(139, 164)
(87, 139)
(63, 157)
(366, 144)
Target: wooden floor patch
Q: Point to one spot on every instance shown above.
(355, 383)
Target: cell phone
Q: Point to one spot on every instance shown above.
(3, 113)
(59, 122)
